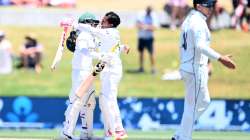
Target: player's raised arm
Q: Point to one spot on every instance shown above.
(98, 32)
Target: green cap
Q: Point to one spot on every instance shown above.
(86, 16)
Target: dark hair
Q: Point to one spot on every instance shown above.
(195, 5)
(113, 18)
(148, 10)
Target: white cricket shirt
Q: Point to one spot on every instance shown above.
(81, 60)
(195, 42)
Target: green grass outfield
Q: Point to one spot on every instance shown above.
(224, 83)
(138, 135)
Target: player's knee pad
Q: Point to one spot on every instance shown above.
(67, 110)
(76, 106)
(72, 115)
(73, 101)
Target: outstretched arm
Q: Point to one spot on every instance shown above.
(200, 41)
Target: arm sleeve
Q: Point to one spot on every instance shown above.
(200, 41)
(95, 31)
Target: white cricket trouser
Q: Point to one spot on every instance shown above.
(196, 100)
(73, 110)
(110, 80)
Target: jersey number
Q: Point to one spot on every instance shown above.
(184, 45)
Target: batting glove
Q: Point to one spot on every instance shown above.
(98, 68)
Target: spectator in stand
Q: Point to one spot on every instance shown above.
(240, 12)
(219, 18)
(5, 55)
(178, 11)
(31, 54)
(24, 2)
(5, 2)
(63, 3)
(39, 3)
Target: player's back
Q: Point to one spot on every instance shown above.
(80, 60)
(193, 28)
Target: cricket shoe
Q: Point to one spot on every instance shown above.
(108, 135)
(175, 137)
(64, 136)
(120, 135)
(85, 136)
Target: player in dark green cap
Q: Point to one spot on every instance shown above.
(80, 42)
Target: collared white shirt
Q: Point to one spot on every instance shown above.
(195, 36)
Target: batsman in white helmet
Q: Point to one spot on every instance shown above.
(83, 46)
(109, 38)
(194, 53)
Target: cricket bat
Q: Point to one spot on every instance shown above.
(66, 23)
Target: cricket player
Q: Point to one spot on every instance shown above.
(111, 75)
(194, 53)
(84, 51)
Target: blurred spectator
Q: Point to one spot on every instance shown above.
(146, 23)
(241, 12)
(31, 54)
(39, 3)
(5, 55)
(25, 2)
(63, 3)
(177, 9)
(5, 2)
(219, 18)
